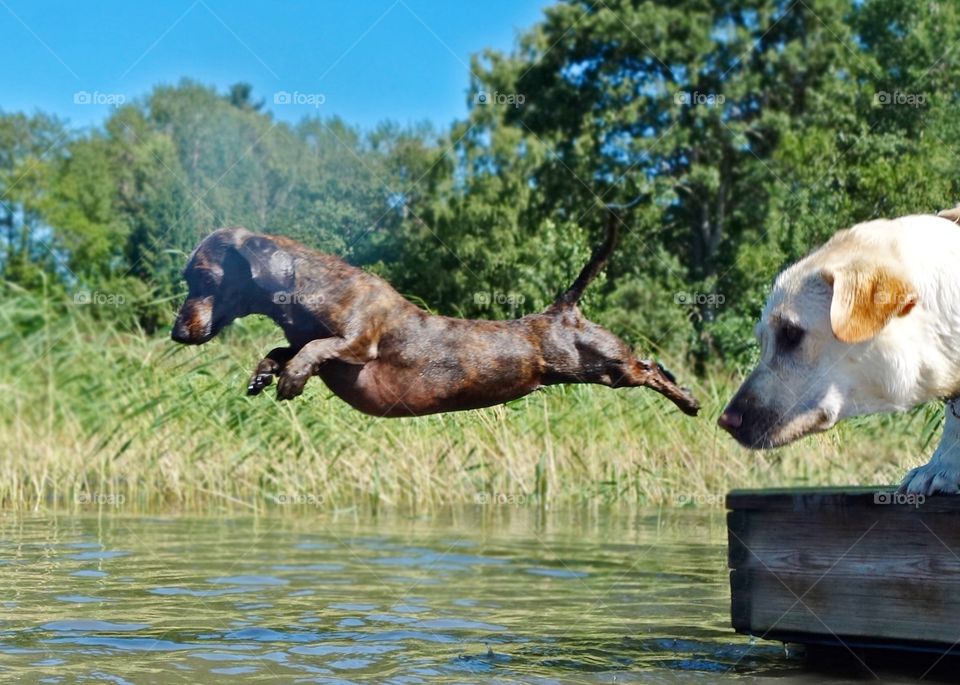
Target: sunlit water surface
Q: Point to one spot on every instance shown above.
(488, 594)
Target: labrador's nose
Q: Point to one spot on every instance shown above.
(730, 420)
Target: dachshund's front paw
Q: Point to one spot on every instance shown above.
(258, 381)
(292, 381)
(262, 376)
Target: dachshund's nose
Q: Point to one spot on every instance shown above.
(179, 335)
(181, 332)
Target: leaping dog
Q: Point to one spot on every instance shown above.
(382, 354)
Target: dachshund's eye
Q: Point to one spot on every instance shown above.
(203, 280)
(789, 337)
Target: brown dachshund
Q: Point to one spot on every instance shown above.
(382, 354)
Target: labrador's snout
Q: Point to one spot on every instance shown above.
(748, 420)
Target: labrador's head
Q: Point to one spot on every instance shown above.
(832, 340)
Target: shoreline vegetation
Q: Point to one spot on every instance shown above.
(98, 418)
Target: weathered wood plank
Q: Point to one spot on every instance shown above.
(867, 608)
(826, 498)
(845, 564)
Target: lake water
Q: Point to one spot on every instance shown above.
(486, 594)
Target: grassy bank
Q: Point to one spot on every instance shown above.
(94, 416)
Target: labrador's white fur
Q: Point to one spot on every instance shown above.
(868, 323)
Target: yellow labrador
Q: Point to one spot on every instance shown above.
(868, 323)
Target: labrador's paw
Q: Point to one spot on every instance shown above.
(930, 479)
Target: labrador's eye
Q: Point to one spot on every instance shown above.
(789, 337)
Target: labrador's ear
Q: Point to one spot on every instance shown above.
(865, 298)
(951, 214)
(270, 266)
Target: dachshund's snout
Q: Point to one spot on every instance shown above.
(179, 334)
(194, 324)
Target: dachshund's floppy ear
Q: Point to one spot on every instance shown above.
(270, 266)
(865, 299)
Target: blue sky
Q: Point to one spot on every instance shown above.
(366, 60)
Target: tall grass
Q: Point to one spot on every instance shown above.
(95, 416)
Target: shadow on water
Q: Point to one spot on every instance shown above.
(878, 662)
(473, 595)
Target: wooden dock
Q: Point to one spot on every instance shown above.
(854, 568)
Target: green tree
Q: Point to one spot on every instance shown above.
(30, 148)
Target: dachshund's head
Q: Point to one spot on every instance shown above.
(232, 273)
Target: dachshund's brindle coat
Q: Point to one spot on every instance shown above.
(384, 355)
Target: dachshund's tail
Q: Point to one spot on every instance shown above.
(596, 263)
